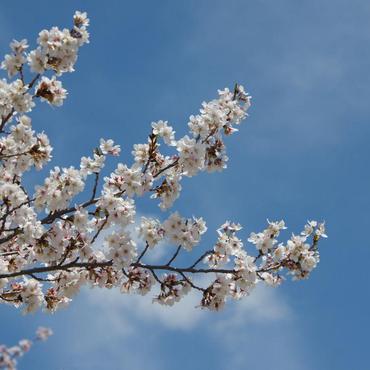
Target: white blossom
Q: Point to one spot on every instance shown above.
(151, 231)
(74, 231)
(51, 90)
(166, 132)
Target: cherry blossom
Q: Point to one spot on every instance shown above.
(52, 244)
(10, 355)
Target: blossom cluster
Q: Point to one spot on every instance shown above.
(51, 245)
(297, 257)
(57, 51)
(9, 355)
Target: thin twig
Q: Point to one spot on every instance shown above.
(41, 279)
(191, 283)
(13, 155)
(95, 185)
(205, 254)
(143, 252)
(8, 254)
(30, 85)
(174, 163)
(5, 120)
(100, 229)
(174, 256)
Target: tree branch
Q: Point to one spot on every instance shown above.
(174, 256)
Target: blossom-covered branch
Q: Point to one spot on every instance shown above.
(50, 245)
(9, 355)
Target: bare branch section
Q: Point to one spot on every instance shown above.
(104, 264)
(95, 265)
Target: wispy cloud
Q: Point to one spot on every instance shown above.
(141, 311)
(261, 332)
(240, 336)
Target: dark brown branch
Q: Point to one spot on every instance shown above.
(159, 281)
(41, 279)
(95, 185)
(21, 75)
(153, 146)
(93, 265)
(315, 241)
(174, 256)
(13, 155)
(205, 254)
(100, 229)
(173, 164)
(191, 283)
(9, 253)
(5, 120)
(143, 252)
(153, 268)
(30, 85)
(260, 254)
(236, 88)
(11, 236)
(7, 299)
(52, 216)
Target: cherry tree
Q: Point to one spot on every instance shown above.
(51, 245)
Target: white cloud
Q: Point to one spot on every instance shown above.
(261, 332)
(262, 323)
(263, 305)
(141, 310)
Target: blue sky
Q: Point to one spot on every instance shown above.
(303, 153)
